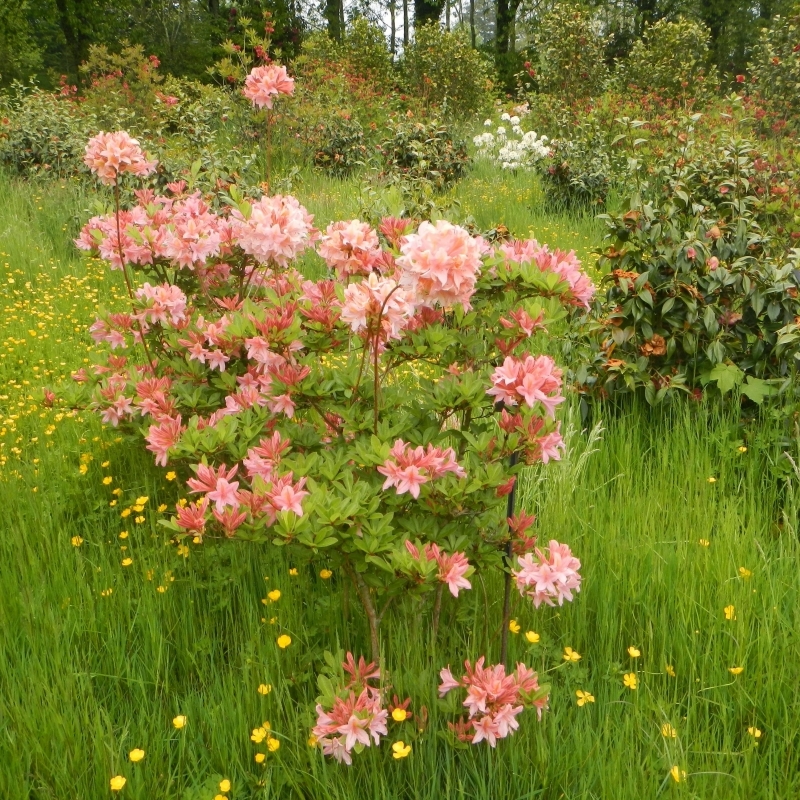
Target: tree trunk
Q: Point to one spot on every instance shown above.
(332, 16)
(472, 22)
(447, 15)
(506, 13)
(72, 38)
(393, 28)
(405, 24)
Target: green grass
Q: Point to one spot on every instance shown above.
(84, 678)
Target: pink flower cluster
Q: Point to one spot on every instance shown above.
(530, 379)
(350, 248)
(163, 304)
(548, 578)
(536, 441)
(263, 84)
(232, 504)
(440, 264)
(277, 230)
(356, 719)
(452, 568)
(565, 265)
(374, 296)
(409, 467)
(110, 154)
(494, 699)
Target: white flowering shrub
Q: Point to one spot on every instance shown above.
(518, 149)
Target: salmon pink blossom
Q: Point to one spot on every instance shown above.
(408, 468)
(263, 84)
(350, 248)
(110, 154)
(548, 578)
(531, 379)
(440, 264)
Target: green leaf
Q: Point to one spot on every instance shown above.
(727, 376)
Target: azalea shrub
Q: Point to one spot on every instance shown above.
(372, 421)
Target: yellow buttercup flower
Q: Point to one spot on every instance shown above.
(259, 758)
(754, 732)
(126, 562)
(667, 731)
(513, 626)
(264, 688)
(712, 479)
(258, 735)
(630, 680)
(107, 480)
(583, 697)
(293, 572)
(136, 755)
(273, 744)
(170, 476)
(678, 774)
(179, 721)
(140, 501)
(704, 543)
(730, 612)
(274, 595)
(123, 535)
(742, 449)
(532, 637)
(399, 715)
(284, 641)
(633, 652)
(220, 797)
(744, 572)
(571, 655)
(76, 541)
(117, 783)
(325, 574)
(670, 670)
(736, 670)
(400, 749)
(312, 741)
(225, 785)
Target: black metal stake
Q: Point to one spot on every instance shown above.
(512, 496)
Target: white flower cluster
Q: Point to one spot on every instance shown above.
(520, 150)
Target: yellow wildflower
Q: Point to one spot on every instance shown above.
(126, 562)
(400, 749)
(736, 670)
(678, 774)
(571, 655)
(260, 758)
(107, 480)
(730, 612)
(532, 637)
(325, 574)
(399, 715)
(136, 755)
(273, 744)
(583, 697)
(284, 641)
(754, 732)
(704, 543)
(179, 721)
(630, 680)
(258, 735)
(225, 785)
(170, 476)
(667, 731)
(293, 572)
(634, 652)
(123, 535)
(744, 572)
(117, 782)
(670, 670)
(274, 595)
(513, 626)
(264, 688)
(76, 541)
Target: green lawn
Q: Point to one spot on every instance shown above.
(97, 658)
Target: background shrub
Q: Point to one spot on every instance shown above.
(775, 65)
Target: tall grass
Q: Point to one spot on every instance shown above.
(87, 675)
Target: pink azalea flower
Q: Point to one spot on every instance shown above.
(548, 578)
(224, 494)
(110, 154)
(350, 248)
(265, 83)
(163, 436)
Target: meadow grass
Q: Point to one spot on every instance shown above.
(87, 674)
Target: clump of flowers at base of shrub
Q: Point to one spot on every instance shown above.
(518, 150)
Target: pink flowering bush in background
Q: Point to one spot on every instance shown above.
(372, 422)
